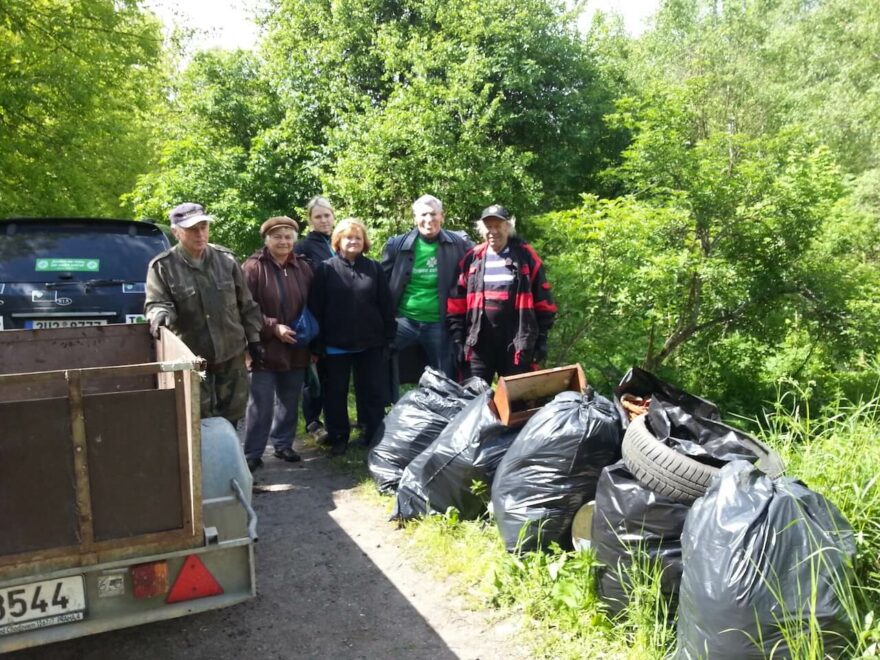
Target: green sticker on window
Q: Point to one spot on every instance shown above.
(77, 265)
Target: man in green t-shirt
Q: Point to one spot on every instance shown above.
(421, 266)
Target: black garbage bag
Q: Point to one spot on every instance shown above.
(468, 450)
(634, 525)
(705, 439)
(644, 384)
(689, 424)
(414, 423)
(553, 468)
(758, 554)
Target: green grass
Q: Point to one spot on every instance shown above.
(836, 453)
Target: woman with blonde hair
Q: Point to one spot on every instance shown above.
(352, 302)
(315, 248)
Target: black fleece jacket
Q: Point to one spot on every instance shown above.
(315, 247)
(352, 303)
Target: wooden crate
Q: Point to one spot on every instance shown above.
(519, 397)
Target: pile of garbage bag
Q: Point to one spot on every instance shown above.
(674, 444)
(552, 468)
(414, 423)
(467, 451)
(750, 558)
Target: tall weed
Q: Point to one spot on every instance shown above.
(837, 453)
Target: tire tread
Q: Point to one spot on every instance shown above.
(661, 468)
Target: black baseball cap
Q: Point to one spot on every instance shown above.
(495, 211)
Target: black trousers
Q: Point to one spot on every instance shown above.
(494, 354)
(312, 405)
(370, 386)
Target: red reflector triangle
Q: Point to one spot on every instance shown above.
(193, 581)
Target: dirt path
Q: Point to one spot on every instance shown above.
(332, 583)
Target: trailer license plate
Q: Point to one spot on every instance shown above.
(42, 324)
(41, 604)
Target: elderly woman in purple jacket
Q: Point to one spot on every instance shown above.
(279, 281)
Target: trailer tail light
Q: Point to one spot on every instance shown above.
(149, 580)
(193, 581)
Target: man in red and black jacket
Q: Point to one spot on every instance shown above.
(500, 310)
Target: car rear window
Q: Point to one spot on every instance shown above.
(34, 251)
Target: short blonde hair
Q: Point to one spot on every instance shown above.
(346, 227)
(323, 202)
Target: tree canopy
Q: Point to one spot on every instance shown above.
(376, 102)
(728, 260)
(79, 82)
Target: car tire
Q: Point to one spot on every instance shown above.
(673, 474)
(661, 468)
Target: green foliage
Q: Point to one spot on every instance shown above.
(220, 148)
(80, 82)
(723, 299)
(554, 584)
(828, 75)
(377, 102)
(507, 90)
(733, 261)
(459, 549)
(772, 63)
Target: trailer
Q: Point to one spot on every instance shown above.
(118, 505)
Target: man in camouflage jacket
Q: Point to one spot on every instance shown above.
(197, 289)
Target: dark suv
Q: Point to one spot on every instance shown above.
(64, 272)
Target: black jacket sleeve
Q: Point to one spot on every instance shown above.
(456, 303)
(386, 308)
(317, 303)
(389, 256)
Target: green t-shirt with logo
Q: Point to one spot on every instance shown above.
(420, 301)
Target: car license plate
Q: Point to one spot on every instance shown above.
(41, 604)
(42, 324)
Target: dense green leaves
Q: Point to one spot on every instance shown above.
(376, 102)
(78, 82)
(221, 148)
(738, 259)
